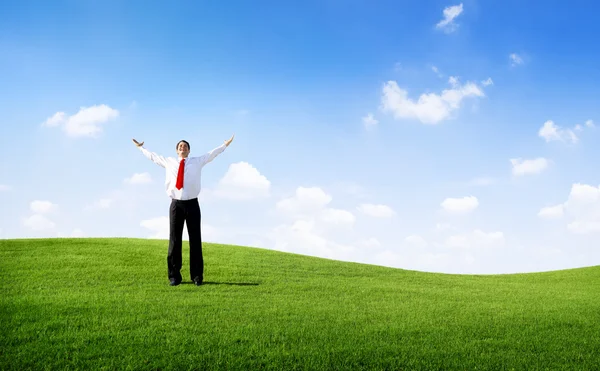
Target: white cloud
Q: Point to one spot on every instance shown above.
(102, 204)
(75, 233)
(305, 200)
(583, 194)
(42, 207)
(303, 237)
(471, 251)
(139, 178)
(450, 13)
(586, 218)
(38, 222)
(243, 182)
(550, 132)
(85, 123)
(416, 241)
(461, 205)
(369, 121)
(430, 108)
(523, 167)
(476, 239)
(5, 188)
(56, 119)
(370, 242)
(437, 71)
(377, 211)
(351, 189)
(311, 202)
(440, 227)
(124, 199)
(453, 81)
(337, 217)
(582, 208)
(487, 82)
(584, 227)
(160, 228)
(551, 212)
(515, 59)
(313, 223)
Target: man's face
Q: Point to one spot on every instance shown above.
(183, 150)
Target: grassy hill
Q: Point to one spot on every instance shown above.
(106, 303)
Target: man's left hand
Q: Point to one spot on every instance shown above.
(228, 141)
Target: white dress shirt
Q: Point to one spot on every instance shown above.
(191, 174)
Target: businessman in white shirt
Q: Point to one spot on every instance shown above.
(183, 183)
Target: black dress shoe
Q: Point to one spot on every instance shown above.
(174, 282)
(197, 281)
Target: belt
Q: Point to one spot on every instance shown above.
(190, 200)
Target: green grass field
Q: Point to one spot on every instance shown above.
(106, 304)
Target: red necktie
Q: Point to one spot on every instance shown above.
(179, 183)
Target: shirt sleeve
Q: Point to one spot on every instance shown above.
(205, 159)
(157, 159)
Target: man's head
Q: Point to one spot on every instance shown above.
(183, 148)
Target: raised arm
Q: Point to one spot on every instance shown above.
(208, 157)
(157, 159)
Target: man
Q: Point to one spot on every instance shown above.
(182, 183)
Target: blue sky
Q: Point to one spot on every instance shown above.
(375, 132)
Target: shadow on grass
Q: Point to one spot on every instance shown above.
(224, 283)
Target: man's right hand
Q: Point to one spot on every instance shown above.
(138, 143)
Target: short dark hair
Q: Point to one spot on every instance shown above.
(184, 141)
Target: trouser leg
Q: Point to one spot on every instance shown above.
(193, 218)
(176, 220)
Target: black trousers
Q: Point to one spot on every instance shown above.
(188, 211)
